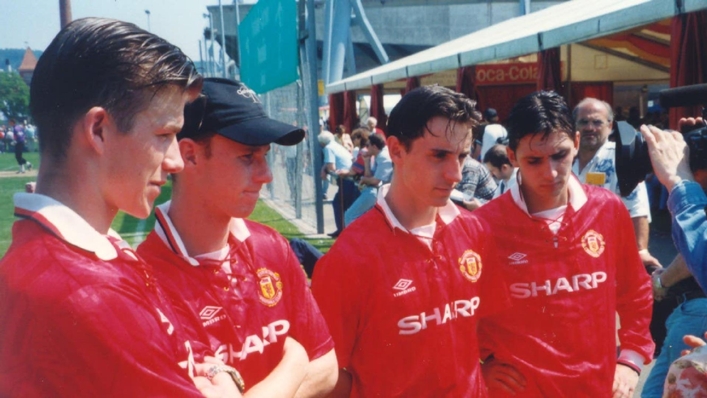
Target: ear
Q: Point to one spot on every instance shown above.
(575, 139)
(395, 149)
(512, 156)
(190, 151)
(94, 128)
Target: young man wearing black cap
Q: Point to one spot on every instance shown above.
(241, 293)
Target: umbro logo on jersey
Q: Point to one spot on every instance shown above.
(403, 287)
(518, 258)
(210, 315)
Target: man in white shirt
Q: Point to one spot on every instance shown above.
(595, 165)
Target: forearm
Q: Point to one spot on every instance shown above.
(675, 272)
(287, 376)
(372, 181)
(687, 205)
(321, 377)
(642, 231)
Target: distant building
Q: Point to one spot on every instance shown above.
(26, 69)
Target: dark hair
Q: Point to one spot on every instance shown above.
(361, 134)
(540, 112)
(106, 63)
(497, 156)
(377, 140)
(340, 129)
(408, 120)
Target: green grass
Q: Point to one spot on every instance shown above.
(8, 162)
(130, 228)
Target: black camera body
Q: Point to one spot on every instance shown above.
(632, 160)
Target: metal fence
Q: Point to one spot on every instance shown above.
(292, 191)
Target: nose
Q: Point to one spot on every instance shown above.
(173, 162)
(453, 171)
(262, 173)
(550, 172)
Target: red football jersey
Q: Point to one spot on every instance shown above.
(80, 316)
(403, 314)
(566, 289)
(242, 313)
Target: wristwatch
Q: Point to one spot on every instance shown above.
(657, 283)
(216, 369)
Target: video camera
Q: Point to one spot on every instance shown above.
(632, 160)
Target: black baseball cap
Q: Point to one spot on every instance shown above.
(229, 108)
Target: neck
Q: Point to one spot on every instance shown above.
(201, 229)
(536, 204)
(77, 187)
(584, 156)
(409, 213)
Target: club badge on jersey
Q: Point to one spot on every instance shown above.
(470, 265)
(593, 243)
(270, 287)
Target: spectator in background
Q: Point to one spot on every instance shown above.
(372, 124)
(493, 132)
(595, 165)
(477, 185)
(31, 137)
(343, 138)
(378, 170)
(497, 162)
(337, 162)
(20, 148)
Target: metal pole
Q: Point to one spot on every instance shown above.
(64, 12)
(315, 149)
(223, 41)
(148, 20)
(201, 58)
(238, 38)
(212, 70)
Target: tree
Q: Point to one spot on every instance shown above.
(14, 96)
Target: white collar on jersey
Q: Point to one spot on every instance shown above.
(66, 224)
(447, 213)
(170, 236)
(577, 197)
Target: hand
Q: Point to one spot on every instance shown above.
(625, 380)
(658, 293)
(685, 125)
(669, 155)
(651, 263)
(501, 376)
(694, 342)
(472, 204)
(220, 386)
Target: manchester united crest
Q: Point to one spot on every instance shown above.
(593, 243)
(470, 265)
(270, 287)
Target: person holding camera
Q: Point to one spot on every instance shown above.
(670, 157)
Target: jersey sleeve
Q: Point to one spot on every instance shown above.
(634, 299)
(309, 327)
(337, 290)
(114, 343)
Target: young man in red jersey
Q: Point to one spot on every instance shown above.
(242, 290)
(569, 256)
(403, 287)
(81, 314)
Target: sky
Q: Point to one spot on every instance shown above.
(36, 22)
